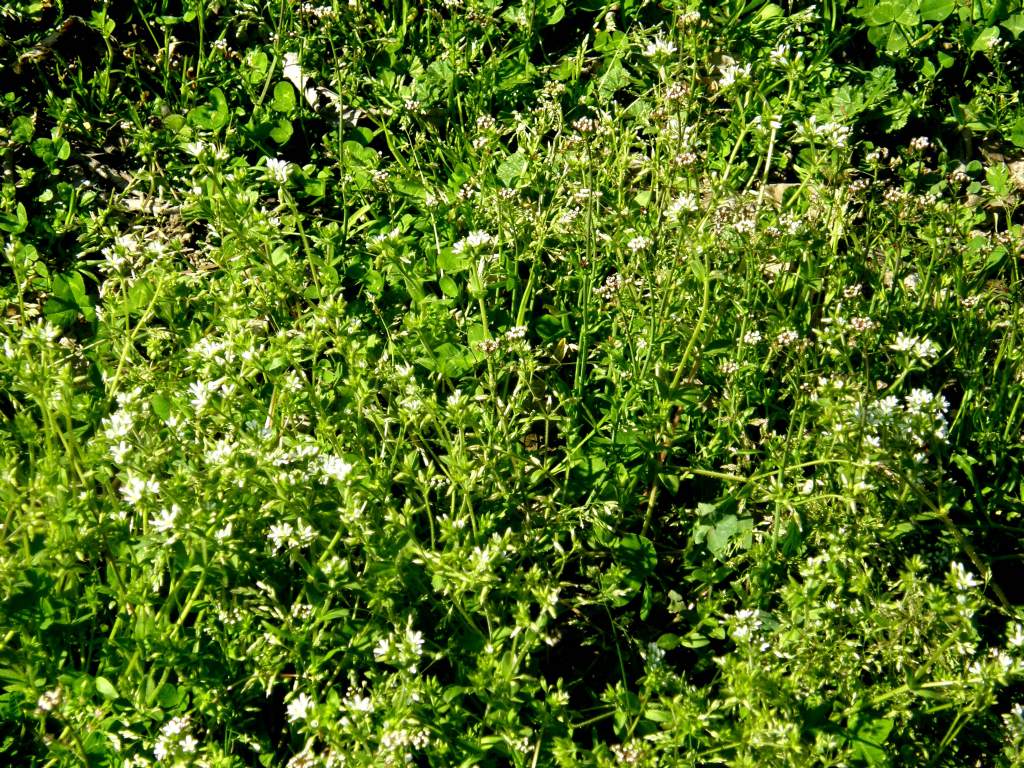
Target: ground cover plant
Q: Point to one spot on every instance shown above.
(483, 383)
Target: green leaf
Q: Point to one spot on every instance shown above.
(282, 131)
(512, 168)
(720, 536)
(554, 13)
(161, 406)
(211, 117)
(105, 688)
(17, 223)
(449, 287)
(1015, 25)
(452, 262)
(985, 40)
(168, 696)
(936, 10)
(68, 300)
(614, 78)
(280, 255)
(869, 738)
(284, 97)
(22, 129)
(636, 553)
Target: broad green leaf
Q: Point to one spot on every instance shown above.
(512, 168)
(105, 688)
(211, 117)
(1015, 24)
(161, 406)
(168, 696)
(284, 97)
(282, 131)
(614, 78)
(22, 129)
(986, 39)
(936, 10)
(449, 287)
(869, 739)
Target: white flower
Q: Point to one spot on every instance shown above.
(49, 700)
(280, 534)
(135, 488)
(1015, 635)
(785, 338)
(334, 468)
(475, 239)
(299, 707)
(961, 578)
(164, 522)
(119, 424)
(732, 73)
(660, 48)
(358, 703)
(201, 391)
(278, 170)
(638, 243)
(381, 649)
(685, 203)
(415, 639)
(119, 451)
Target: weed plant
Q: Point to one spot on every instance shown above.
(481, 383)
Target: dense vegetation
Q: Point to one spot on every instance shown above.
(483, 383)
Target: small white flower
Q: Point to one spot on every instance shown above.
(334, 468)
(280, 534)
(358, 703)
(660, 48)
(299, 707)
(785, 338)
(415, 639)
(278, 170)
(119, 452)
(135, 488)
(164, 522)
(962, 578)
(476, 239)
(638, 243)
(201, 391)
(49, 700)
(1015, 635)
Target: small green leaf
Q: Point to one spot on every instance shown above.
(512, 168)
(1015, 24)
(105, 688)
(869, 738)
(168, 696)
(451, 262)
(211, 117)
(280, 255)
(22, 129)
(936, 10)
(449, 287)
(17, 223)
(284, 97)
(161, 406)
(986, 39)
(282, 131)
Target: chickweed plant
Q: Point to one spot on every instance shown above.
(486, 384)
